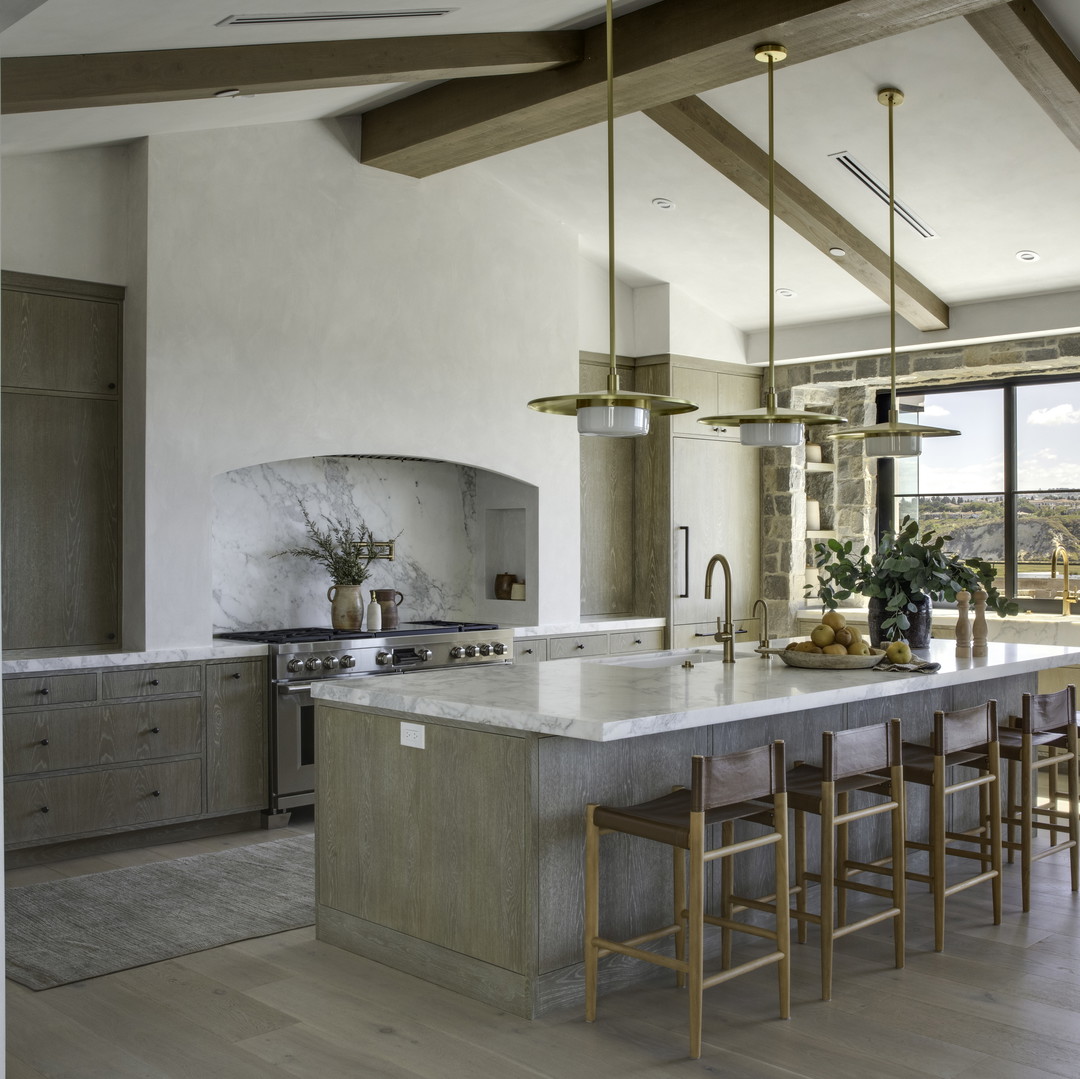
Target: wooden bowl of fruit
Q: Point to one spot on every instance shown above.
(833, 645)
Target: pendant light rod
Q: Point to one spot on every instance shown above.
(892, 98)
(770, 392)
(612, 412)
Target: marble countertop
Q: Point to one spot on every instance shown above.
(33, 661)
(604, 699)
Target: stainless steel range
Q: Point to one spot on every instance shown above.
(299, 657)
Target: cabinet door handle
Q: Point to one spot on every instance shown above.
(526, 651)
(579, 646)
(155, 730)
(155, 794)
(43, 742)
(236, 675)
(44, 691)
(44, 809)
(685, 593)
(155, 682)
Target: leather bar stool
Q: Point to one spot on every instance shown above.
(1048, 721)
(965, 739)
(723, 789)
(851, 760)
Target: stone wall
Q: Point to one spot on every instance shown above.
(848, 387)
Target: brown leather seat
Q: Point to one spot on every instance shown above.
(1048, 720)
(962, 739)
(722, 791)
(851, 761)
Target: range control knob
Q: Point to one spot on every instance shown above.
(330, 663)
(313, 664)
(383, 659)
(457, 652)
(425, 654)
(485, 649)
(471, 651)
(294, 665)
(347, 661)
(498, 649)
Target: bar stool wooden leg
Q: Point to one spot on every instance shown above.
(842, 801)
(993, 799)
(1074, 804)
(1028, 791)
(899, 865)
(1012, 806)
(696, 948)
(592, 910)
(783, 925)
(727, 887)
(678, 891)
(800, 873)
(828, 886)
(937, 850)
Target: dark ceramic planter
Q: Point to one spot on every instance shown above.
(917, 634)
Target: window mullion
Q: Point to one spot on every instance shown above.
(1009, 426)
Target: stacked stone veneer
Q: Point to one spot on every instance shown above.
(848, 387)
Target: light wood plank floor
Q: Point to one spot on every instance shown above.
(1000, 1003)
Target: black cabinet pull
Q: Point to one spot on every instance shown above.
(156, 794)
(154, 682)
(44, 809)
(579, 646)
(685, 530)
(637, 640)
(155, 730)
(526, 651)
(236, 674)
(44, 691)
(43, 742)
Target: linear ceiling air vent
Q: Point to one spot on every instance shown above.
(870, 181)
(332, 16)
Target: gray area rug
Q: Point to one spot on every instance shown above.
(67, 930)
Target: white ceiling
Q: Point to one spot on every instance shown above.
(976, 157)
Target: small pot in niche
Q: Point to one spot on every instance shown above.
(917, 634)
(346, 605)
(504, 584)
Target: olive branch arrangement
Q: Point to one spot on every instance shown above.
(345, 549)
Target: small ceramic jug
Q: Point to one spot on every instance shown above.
(389, 600)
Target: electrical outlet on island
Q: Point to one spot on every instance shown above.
(412, 735)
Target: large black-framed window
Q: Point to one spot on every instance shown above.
(1007, 489)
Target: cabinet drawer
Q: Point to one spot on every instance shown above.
(155, 681)
(587, 644)
(532, 650)
(48, 739)
(49, 807)
(27, 690)
(641, 640)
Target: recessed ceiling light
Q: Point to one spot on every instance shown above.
(837, 252)
(663, 204)
(234, 92)
(1028, 256)
(787, 293)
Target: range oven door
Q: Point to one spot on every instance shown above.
(292, 748)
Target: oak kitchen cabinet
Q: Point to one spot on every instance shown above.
(588, 643)
(100, 751)
(60, 487)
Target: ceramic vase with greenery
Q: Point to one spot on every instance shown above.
(344, 549)
(901, 578)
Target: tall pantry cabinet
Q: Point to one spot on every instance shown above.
(60, 432)
(698, 493)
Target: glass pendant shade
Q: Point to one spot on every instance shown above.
(771, 434)
(614, 421)
(893, 444)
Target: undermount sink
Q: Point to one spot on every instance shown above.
(667, 659)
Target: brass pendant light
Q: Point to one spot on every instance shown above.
(612, 412)
(771, 426)
(892, 438)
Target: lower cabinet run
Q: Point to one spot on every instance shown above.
(98, 752)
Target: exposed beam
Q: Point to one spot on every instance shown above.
(742, 161)
(1031, 49)
(11, 11)
(40, 83)
(663, 52)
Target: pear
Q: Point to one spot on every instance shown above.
(898, 652)
(835, 650)
(844, 636)
(858, 648)
(822, 635)
(833, 619)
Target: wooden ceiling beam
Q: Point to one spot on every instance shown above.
(730, 152)
(669, 50)
(1032, 50)
(42, 83)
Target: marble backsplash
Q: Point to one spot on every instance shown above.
(430, 506)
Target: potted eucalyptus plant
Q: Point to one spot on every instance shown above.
(901, 579)
(344, 549)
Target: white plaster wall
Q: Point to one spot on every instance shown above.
(65, 214)
(667, 320)
(594, 323)
(299, 304)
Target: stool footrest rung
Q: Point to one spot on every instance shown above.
(874, 919)
(952, 889)
(607, 947)
(742, 968)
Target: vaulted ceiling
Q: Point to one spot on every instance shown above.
(987, 140)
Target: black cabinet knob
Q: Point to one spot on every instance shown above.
(44, 809)
(236, 675)
(637, 640)
(44, 742)
(156, 794)
(154, 682)
(112, 385)
(579, 646)
(527, 651)
(44, 691)
(155, 730)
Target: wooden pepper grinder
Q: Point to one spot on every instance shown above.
(963, 626)
(978, 629)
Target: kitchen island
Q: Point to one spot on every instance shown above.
(449, 827)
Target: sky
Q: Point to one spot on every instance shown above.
(1047, 441)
